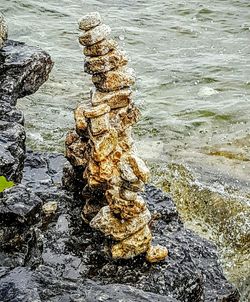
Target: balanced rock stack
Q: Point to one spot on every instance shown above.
(3, 31)
(102, 148)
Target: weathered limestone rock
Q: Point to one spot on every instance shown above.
(101, 48)
(104, 145)
(115, 99)
(80, 120)
(75, 149)
(114, 80)
(95, 35)
(91, 112)
(100, 124)
(114, 174)
(111, 60)
(118, 229)
(89, 21)
(135, 245)
(3, 31)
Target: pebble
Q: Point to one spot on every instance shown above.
(92, 112)
(100, 124)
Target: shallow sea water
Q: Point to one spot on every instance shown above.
(192, 60)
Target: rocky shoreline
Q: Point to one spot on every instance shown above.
(48, 254)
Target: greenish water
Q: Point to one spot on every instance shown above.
(192, 59)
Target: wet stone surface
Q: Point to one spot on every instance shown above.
(69, 259)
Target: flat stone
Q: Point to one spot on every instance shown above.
(115, 99)
(100, 124)
(139, 167)
(89, 21)
(111, 60)
(95, 35)
(114, 79)
(126, 170)
(80, 120)
(3, 30)
(156, 253)
(116, 228)
(91, 112)
(104, 145)
(126, 209)
(132, 246)
(101, 48)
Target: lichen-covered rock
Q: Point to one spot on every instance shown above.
(101, 48)
(115, 99)
(114, 79)
(113, 59)
(89, 21)
(95, 35)
(3, 31)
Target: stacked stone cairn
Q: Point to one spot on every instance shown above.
(3, 31)
(102, 152)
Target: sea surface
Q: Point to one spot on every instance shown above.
(192, 60)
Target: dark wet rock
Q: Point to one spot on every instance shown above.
(9, 113)
(12, 150)
(76, 267)
(23, 69)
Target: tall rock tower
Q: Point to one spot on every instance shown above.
(102, 152)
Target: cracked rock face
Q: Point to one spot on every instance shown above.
(3, 31)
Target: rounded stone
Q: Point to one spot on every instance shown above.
(156, 253)
(89, 21)
(95, 35)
